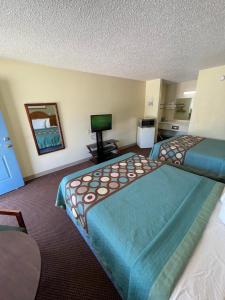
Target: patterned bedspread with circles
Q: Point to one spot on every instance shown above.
(85, 191)
(175, 150)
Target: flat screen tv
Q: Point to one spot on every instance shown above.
(101, 122)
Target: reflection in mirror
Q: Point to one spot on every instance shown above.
(183, 109)
(45, 126)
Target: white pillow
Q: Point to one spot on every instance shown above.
(222, 197)
(39, 123)
(47, 123)
(222, 213)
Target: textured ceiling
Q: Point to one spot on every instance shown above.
(137, 39)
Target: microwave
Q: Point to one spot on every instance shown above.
(146, 122)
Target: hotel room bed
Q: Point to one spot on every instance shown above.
(203, 155)
(143, 220)
(48, 137)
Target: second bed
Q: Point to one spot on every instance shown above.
(204, 156)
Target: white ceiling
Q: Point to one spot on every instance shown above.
(170, 39)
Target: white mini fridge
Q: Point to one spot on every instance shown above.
(145, 137)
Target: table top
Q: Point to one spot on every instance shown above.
(113, 141)
(20, 266)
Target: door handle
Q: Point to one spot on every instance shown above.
(9, 146)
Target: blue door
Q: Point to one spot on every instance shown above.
(10, 174)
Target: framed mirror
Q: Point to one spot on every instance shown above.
(45, 125)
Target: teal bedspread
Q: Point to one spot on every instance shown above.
(208, 155)
(145, 232)
(48, 137)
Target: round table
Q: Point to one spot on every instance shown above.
(20, 266)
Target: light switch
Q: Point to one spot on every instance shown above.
(151, 101)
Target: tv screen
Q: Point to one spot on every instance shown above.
(101, 122)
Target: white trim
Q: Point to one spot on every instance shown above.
(27, 178)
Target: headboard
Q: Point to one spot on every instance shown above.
(38, 115)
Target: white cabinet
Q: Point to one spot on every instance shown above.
(145, 137)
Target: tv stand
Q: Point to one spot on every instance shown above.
(100, 146)
(103, 151)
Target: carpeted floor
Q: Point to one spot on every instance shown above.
(69, 269)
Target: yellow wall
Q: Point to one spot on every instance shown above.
(78, 95)
(208, 116)
(184, 86)
(152, 93)
(175, 91)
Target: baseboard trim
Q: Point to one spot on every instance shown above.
(127, 146)
(77, 162)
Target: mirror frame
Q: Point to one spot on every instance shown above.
(27, 106)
